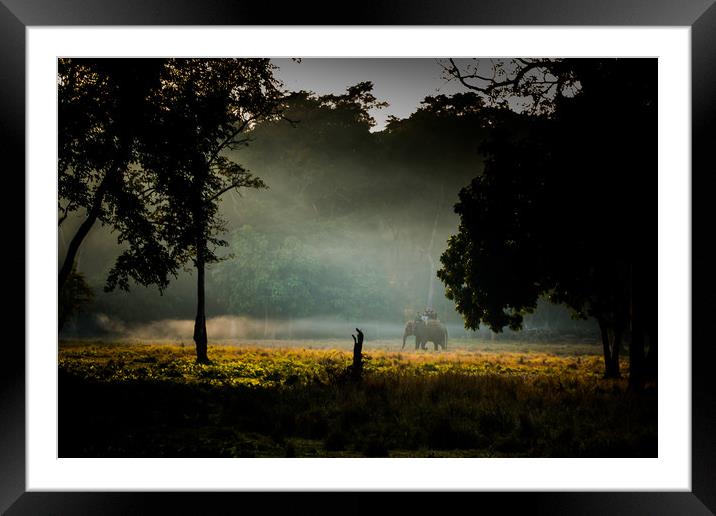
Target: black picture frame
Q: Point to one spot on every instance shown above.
(700, 15)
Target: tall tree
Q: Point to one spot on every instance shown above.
(203, 108)
(566, 206)
(101, 111)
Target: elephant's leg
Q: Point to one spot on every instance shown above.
(435, 344)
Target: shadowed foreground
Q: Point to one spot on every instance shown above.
(119, 400)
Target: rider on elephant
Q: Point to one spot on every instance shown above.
(430, 330)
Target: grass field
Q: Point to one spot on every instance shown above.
(293, 399)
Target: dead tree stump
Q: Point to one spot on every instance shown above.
(357, 367)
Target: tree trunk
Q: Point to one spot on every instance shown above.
(357, 368)
(605, 346)
(85, 227)
(609, 365)
(113, 174)
(200, 336)
(616, 348)
(636, 348)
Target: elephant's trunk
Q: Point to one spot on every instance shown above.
(405, 335)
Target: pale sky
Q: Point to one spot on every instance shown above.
(403, 82)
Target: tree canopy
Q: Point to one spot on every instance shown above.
(565, 208)
(102, 106)
(201, 110)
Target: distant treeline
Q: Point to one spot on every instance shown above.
(351, 226)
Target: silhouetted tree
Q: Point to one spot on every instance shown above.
(529, 84)
(101, 111)
(202, 109)
(566, 207)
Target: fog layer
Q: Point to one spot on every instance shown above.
(349, 232)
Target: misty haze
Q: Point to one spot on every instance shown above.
(447, 241)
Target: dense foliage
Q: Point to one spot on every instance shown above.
(566, 207)
(374, 208)
(102, 108)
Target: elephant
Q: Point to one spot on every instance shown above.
(410, 330)
(431, 331)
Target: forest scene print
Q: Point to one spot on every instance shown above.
(357, 257)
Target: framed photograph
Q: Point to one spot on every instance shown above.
(420, 249)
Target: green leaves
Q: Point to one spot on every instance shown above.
(279, 276)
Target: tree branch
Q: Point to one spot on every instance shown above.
(236, 184)
(64, 214)
(293, 123)
(228, 139)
